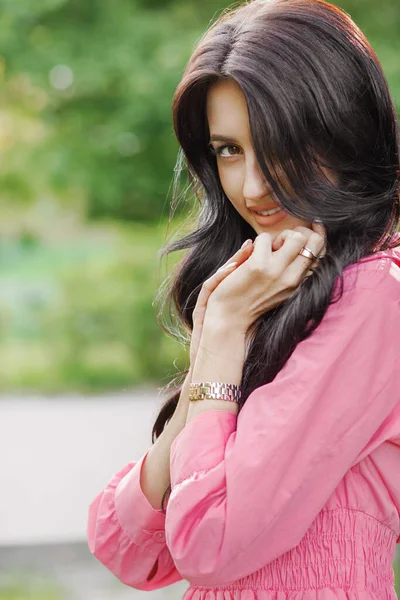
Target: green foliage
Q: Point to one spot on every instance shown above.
(96, 90)
(88, 90)
(86, 320)
(380, 22)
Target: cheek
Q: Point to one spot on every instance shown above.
(231, 181)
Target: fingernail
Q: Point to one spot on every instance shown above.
(317, 221)
(246, 243)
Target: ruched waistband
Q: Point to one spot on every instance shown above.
(344, 548)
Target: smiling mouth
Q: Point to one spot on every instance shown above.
(263, 208)
(266, 213)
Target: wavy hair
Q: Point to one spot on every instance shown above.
(316, 95)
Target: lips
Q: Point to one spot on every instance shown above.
(270, 220)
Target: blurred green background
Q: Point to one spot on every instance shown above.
(87, 156)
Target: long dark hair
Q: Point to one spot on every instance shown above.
(316, 95)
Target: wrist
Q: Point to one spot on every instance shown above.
(223, 323)
(183, 400)
(221, 339)
(220, 356)
(223, 327)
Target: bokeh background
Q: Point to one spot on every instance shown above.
(87, 159)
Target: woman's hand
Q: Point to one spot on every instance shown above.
(198, 317)
(207, 289)
(270, 275)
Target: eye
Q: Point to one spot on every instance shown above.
(218, 151)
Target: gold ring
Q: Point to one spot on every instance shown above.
(308, 253)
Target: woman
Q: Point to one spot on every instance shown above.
(286, 482)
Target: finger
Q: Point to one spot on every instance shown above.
(237, 259)
(243, 252)
(298, 265)
(212, 282)
(262, 248)
(289, 246)
(315, 227)
(319, 228)
(283, 235)
(281, 238)
(308, 233)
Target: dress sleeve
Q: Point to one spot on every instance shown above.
(246, 488)
(127, 534)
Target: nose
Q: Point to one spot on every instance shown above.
(254, 186)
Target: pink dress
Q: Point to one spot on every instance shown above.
(298, 496)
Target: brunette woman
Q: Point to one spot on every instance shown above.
(274, 472)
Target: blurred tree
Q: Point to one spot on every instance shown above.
(108, 72)
(87, 94)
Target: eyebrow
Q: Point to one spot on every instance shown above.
(216, 137)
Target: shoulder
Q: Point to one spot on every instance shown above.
(371, 292)
(377, 274)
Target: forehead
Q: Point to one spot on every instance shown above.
(227, 112)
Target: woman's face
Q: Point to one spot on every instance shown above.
(240, 175)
